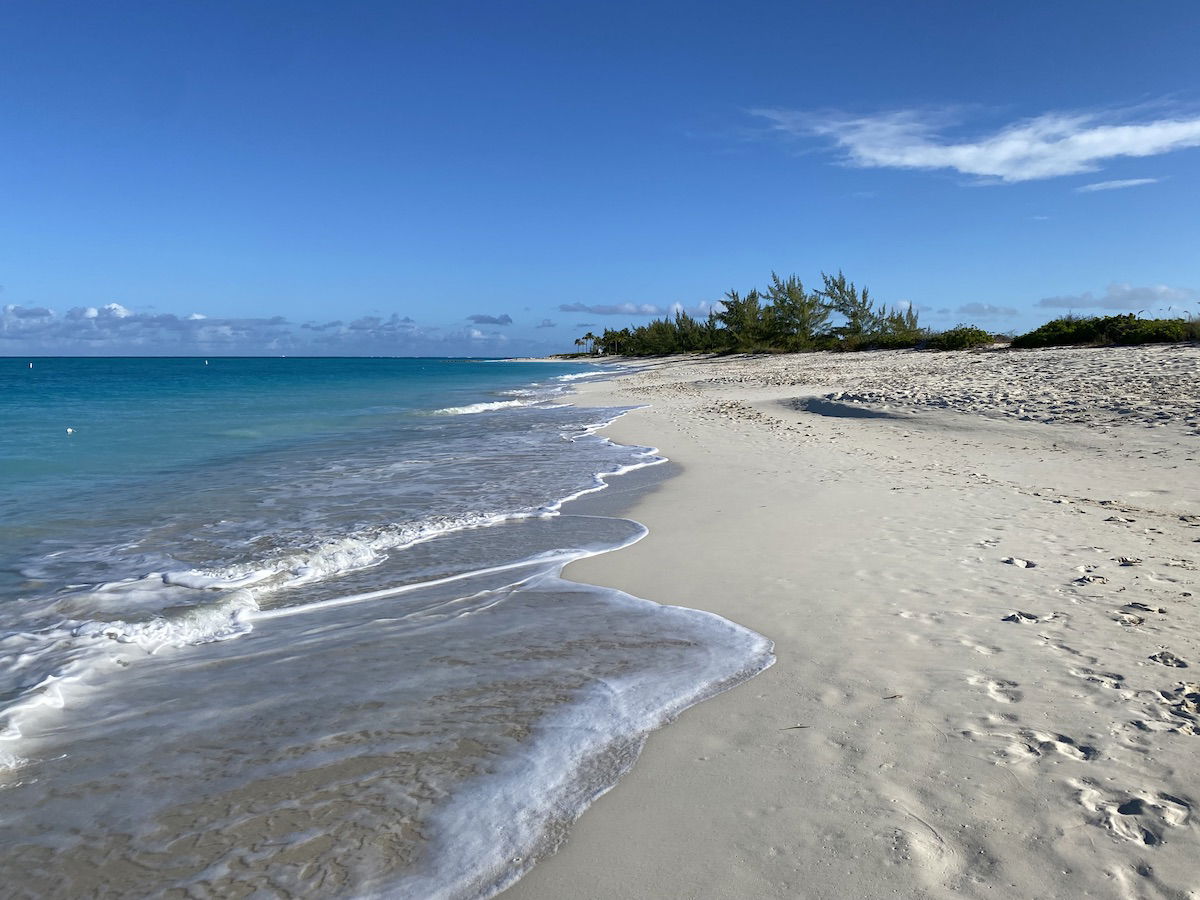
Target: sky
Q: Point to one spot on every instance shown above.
(489, 179)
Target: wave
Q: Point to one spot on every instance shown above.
(179, 628)
(480, 407)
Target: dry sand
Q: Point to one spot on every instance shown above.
(980, 574)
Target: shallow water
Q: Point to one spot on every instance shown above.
(315, 639)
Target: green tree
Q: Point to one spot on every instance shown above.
(796, 316)
(689, 333)
(743, 318)
(614, 341)
(855, 306)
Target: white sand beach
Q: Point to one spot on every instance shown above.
(980, 574)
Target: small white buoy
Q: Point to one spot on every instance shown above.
(31, 365)
(70, 430)
(206, 362)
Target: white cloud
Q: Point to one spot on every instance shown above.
(1046, 146)
(1153, 298)
(1115, 185)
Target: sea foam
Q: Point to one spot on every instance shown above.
(481, 407)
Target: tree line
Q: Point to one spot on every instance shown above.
(787, 317)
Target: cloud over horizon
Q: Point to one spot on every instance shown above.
(1124, 296)
(114, 329)
(986, 311)
(1045, 146)
(479, 319)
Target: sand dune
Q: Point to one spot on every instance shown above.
(980, 574)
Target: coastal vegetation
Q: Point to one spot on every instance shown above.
(839, 315)
(1125, 330)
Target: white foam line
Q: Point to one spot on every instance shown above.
(553, 508)
(480, 407)
(392, 592)
(550, 561)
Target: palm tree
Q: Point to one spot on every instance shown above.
(578, 342)
(591, 339)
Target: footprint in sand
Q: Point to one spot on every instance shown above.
(1041, 742)
(1110, 680)
(1020, 617)
(1139, 816)
(1129, 620)
(1142, 607)
(1019, 563)
(999, 689)
(1167, 658)
(1139, 878)
(1028, 744)
(1180, 710)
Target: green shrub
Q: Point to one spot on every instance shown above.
(960, 337)
(902, 341)
(1126, 329)
(1154, 331)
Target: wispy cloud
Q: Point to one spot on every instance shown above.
(546, 323)
(986, 311)
(1046, 146)
(1152, 298)
(1115, 185)
(613, 309)
(479, 319)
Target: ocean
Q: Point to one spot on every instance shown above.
(273, 627)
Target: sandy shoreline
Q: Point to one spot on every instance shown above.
(942, 719)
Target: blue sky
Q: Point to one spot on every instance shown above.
(491, 178)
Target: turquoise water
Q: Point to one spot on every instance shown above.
(298, 625)
(137, 419)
